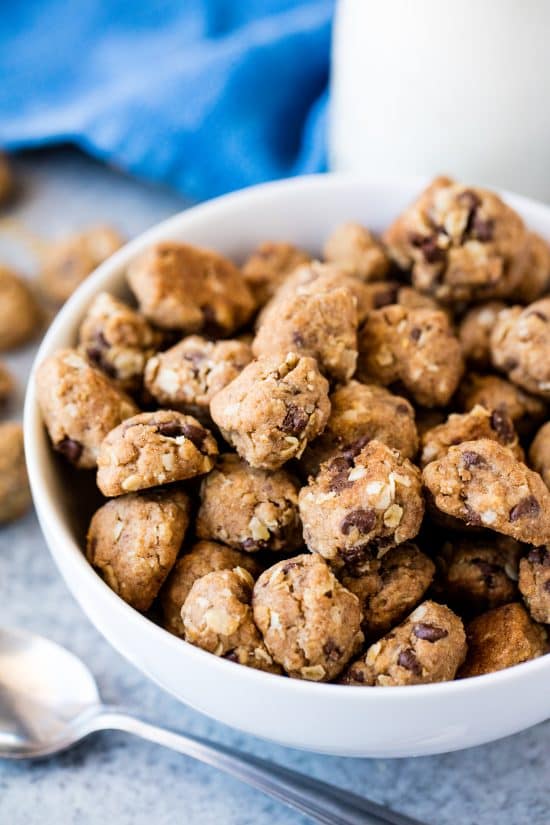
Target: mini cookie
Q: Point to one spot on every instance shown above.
(69, 261)
(483, 485)
(360, 504)
(133, 542)
(204, 557)
(19, 314)
(413, 346)
(322, 325)
(153, 448)
(474, 333)
(249, 509)
(117, 340)
(7, 384)
(501, 638)
(183, 287)
(7, 180)
(470, 426)
(539, 453)
(534, 278)
(520, 346)
(534, 583)
(460, 242)
(272, 409)
(310, 623)
(217, 617)
(353, 247)
(495, 393)
(79, 406)
(187, 376)
(389, 588)
(269, 265)
(477, 574)
(429, 646)
(15, 495)
(359, 413)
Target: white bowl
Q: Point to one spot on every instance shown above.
(347, 721)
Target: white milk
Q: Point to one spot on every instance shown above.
(439, 86)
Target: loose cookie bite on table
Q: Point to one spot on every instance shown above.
(248, 508)
(359, 413)
(151, 449)
(483, 485)
(273, 409)
(15, 494)
(184, 287)
(429, 646)
(520, 346)
(460, 242)
(534, 583)
(474, 332)
(360, 505)
(415, 347)
(268, 267)
(217, 617)
(203, 557)
(389, 587)
(79, 405)
(20, 318)
(496, 393)
(133, 542)
(354, 248)
(310, 623)
(501, 638)
(117, 340)
(187, 376)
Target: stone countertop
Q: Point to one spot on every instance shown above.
(113, 778)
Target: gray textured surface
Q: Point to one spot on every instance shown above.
(113, 778)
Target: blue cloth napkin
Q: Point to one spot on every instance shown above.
(204, 95)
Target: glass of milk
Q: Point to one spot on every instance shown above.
(435, 86)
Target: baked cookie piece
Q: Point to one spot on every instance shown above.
(322, 325)
(354, 248)
(310, 623)
(272, 409)
(15, 495)
(501, 638)
(218, 618)
(534, 583)
(69, 261)
(204, 557)
(133, 542)
(496, 393)
(268, 266)
(249, 509)
(415, 347)
(388, 588)
(471, 426)
(359, 413)
(7, 180)
(534, 278)
(361, 504)
(477, 574)
(429, 646)
(459, 241)
(539, 453)
(187, 376)
(19, 313)
(520, 346)
(7, 384)
(183, 287)
(117, 340)
(80, 405)
(153, 448)
(483, 485)
(474, 333)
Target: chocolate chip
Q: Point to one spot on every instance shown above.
(429, 632)
(354, 556)
(503, 426)
(71, 449)
(415, 333)
(290, 565)
(295, 420)
(510, 364)
(195, 434)
(407, 659)
(402, 409)
(339, 469)
(472, 459)
(356, 676)
(483, 229)
(363, 520)
(298, 338)
(528, 506)
(428, 245)
(331, 650)
(539, 555)
(352, 450)
(170, 430)
(471, 518)
(386, 297)
(252, 545)
(469, 199)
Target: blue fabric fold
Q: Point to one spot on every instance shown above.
(206, 96)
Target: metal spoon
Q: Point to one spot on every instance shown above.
(49, 701)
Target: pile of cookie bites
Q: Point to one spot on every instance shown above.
(334, 470)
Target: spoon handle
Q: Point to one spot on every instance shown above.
(320, 801)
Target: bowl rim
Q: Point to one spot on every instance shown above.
(52, 524)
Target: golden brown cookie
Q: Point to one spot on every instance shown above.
(15, 495)
(354, 248)
(20, 318)
(269, 265)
